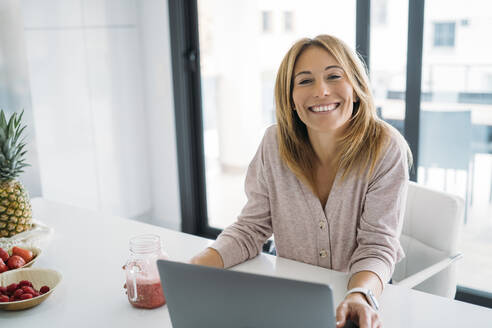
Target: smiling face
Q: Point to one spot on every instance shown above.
(322, 94)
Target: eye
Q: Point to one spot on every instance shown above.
(333, 77)
(305, 81)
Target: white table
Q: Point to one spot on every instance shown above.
(89, 249)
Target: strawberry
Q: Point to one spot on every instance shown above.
(11, 288)
(4, 298)
(3, 266)
(44, 289)
(15, 262)
(27, 290)
(23, 283)
(4, 255)
(24, 253)
(18, 293)
(3, 290)
(25, 296)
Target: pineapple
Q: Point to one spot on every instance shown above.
(15, 206)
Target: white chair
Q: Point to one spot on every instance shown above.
(429, 238)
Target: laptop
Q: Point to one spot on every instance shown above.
(199, 296)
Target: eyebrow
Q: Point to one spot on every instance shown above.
(326, 68)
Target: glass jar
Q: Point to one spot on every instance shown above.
(142, 277)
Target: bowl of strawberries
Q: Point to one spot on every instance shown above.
(25, 288)
(18, 257)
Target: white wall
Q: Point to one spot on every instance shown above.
(100, 78)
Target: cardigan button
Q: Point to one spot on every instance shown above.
(321, 225)
(323, 253)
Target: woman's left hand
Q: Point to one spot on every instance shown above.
(356, 308)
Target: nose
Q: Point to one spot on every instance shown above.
(322, 88)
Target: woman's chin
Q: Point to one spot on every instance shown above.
(330, 126)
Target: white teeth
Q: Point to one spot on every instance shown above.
(324, 108)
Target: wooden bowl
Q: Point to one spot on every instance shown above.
(38, 277)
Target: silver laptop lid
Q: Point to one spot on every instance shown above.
(199, 296)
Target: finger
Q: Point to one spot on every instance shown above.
(377, 323)
(341, 314)
(375, 319)
(364, 317)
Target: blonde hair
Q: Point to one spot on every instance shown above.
(362, 142)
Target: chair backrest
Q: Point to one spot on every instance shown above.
(430, 233)
(448, 136)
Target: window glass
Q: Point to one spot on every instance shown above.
(389, 64)
(456, 123)
(288, 21)
(444, 34)
(267, 21)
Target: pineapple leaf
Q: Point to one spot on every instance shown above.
(3, 120)
(19, 119)
(12, 145)
(2, 134)
(18, 133)
(10, 125)
(9, 153)
(6, 148)
(18, 153)
(19, 148)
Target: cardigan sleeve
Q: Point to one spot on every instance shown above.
(378, 246)
(244, 239)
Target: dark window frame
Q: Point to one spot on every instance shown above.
(185, 53)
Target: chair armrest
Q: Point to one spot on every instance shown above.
(428, 272)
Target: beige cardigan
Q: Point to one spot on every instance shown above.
(358, 230)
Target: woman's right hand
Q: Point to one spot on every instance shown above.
(208, 257)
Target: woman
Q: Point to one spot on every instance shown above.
(329, 180)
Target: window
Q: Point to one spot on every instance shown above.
(442, 86)
(444, 34)
(455, 148)
(266, 21)
(288, 21)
